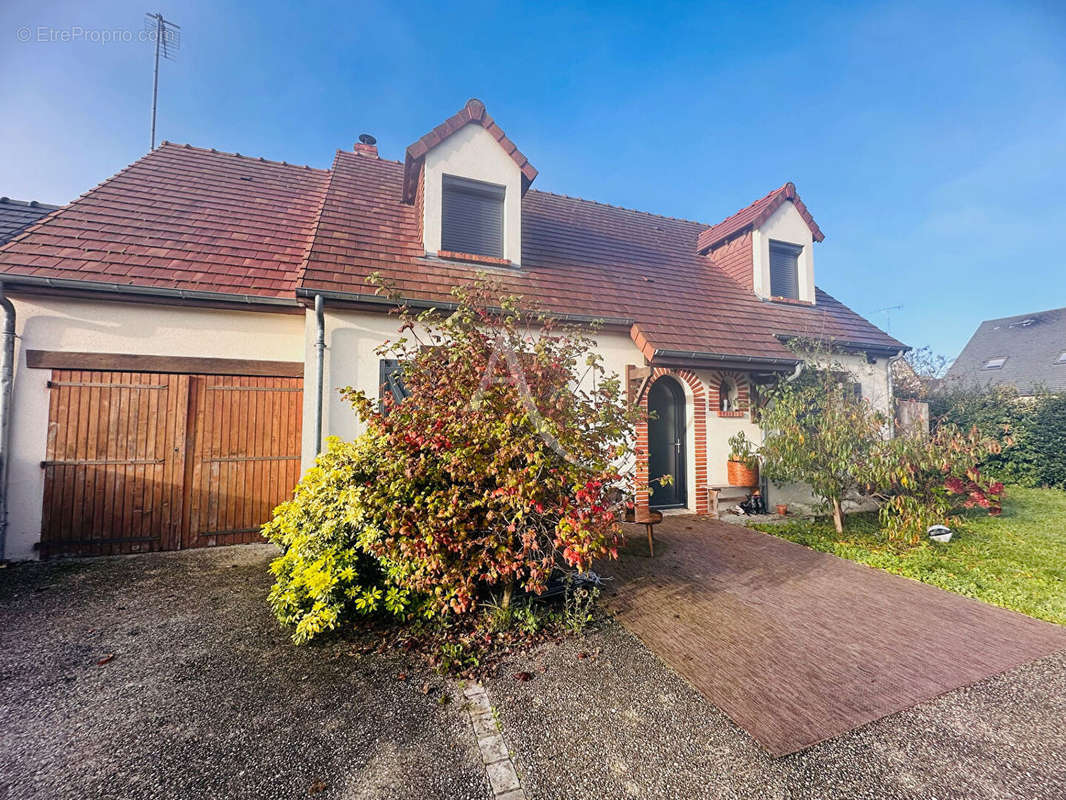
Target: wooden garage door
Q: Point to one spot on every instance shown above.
(150, 461)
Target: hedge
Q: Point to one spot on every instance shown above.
(1036, 425)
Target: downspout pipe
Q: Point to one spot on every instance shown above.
(320, 359)
(892, 393)
(7, 382)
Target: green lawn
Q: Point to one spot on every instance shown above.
(1016, 561)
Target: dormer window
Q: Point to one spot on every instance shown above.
(466, 180)
(784, 270)
(472, 217)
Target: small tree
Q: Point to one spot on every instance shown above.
(819, 431)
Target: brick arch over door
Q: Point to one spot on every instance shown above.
(698, 398)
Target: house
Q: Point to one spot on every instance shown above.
(166, 385)
(17, 215)
(1027, 351)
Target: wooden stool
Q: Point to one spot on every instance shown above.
(649, 519)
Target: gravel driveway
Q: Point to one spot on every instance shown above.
(205, 696)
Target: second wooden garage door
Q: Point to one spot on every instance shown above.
(150, 461)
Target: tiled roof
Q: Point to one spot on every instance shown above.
(472, 113)
(17, 215)
(578, 257)
(1032, 345)
(755, 215)
(193, 219)
(182, 218)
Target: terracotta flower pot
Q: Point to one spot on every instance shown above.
(740, 474)
(781, 509)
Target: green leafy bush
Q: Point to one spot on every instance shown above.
(324, 574)
(1032, 430)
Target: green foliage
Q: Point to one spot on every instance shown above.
(324, 573)
(1016, 560)
(742, 449)
(818, 431)
(1032, 430)
(922, 481)
(579, 606)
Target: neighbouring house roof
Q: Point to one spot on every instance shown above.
(184, 218)
(755, 215)
(1033, 347)
(473, 112)
(17, 215)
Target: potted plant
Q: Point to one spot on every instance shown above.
(743, 466)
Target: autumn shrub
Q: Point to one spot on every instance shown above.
(504, 452)
(492, 464)
(927, 480)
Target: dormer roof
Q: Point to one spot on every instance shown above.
(755, 215)
(473, 113)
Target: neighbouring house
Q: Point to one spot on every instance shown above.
(17, 215)
(165, 394)
(1027, 352)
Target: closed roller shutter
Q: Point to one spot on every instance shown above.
(784, 270)
(472, 217)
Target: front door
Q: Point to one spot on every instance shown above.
(666, 443)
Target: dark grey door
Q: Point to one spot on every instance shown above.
(666, 443)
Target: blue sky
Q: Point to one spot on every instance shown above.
(928, 139)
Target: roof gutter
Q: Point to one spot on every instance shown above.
(446, 305)
(694, 355)
(879, 349)
(66, 284)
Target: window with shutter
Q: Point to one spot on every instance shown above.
(784, 270)
(390, 371)
(472, 217)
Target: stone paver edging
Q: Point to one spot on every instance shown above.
(498, 766)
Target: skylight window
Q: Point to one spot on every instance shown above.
(1062, 358)
(995, 363)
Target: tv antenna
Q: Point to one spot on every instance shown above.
(887, 311)
(167, 37)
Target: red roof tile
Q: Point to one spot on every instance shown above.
(181, 218)
(755, 215)
(187, 218)
(472, 113)
(578, 257)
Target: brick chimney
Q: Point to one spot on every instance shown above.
(367, 145)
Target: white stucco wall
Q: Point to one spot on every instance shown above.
(784, 225)
(472, 153)
(350, 360)
(107, 327)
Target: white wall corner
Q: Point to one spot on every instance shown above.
(473, 153)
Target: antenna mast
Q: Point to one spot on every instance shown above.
(167, 37)
(887, 311)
